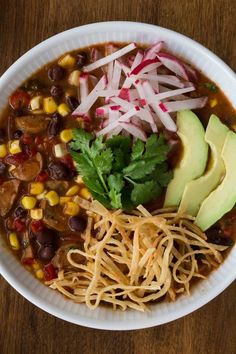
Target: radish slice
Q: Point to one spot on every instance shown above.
(171, 93)
(123, 118)
(93, 79)
(152, 52)
(134, 130)
(109, 58)
(125, 106)
(173, 64)
(187, 104)
(88, 101)
(95, 54)
(116, 76)
(145, 66)
(108, 93)
(83, 85)
(192, 74)
(115, 131)
(102, 112)
(163, 116)
(165, 79)
(137, 60)
(114, 115)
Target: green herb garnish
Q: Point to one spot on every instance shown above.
(118, 174)
(212, 87)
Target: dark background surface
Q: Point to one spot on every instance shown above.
(23, 327)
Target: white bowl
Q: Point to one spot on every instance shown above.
(22, 280)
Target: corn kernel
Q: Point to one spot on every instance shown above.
(60, 150)
(84, 193)
(35, 102)
(213, 102)
(66, 135)
(63, 109)
(14, 146)
(72, 191)
(74, 78)
(53, 198)
(36, 188)
(14, 242)
(67, 61)
(28, 202)
(64, 200)
(71, 208)
(3, 150)
(79, 180)
(49, 105)
(39, 274)
(36, 265)
(36, 214)
(42, 195)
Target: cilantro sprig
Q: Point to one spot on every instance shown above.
(119, 174)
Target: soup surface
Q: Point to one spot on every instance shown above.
(55, 216)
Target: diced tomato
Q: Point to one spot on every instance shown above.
(27, 139)
(19, 99)
(18, 225)
(49, 272)
(36, 226)
(27, 261)
(16, 159)
(67, 160)
(42, 177)
(38, 140)
(30, 151)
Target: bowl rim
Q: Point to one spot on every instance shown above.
(53, 309)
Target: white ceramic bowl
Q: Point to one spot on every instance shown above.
(23, 281)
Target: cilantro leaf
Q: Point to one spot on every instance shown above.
(118, 174)
(115, 198)
(94, 185)
(137, 150)
(212, 87)
(144, 192)
(116, 182)
(103, 161)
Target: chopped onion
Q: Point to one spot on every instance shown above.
(145, 66)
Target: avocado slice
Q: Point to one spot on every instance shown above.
(223, 198)
(197, 190)
(193, 161)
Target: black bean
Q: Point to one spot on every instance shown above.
(72, 102)
(216, 235)
(58, 171)
(2, 168)
(77, 223)
(20, 212)
(81, 59)
(19, 112)
(33, 85)
(2, 135)
(46, 253)
(46, 237)
(55, 125)
(17, 134)
(56, 73)
(56, 91)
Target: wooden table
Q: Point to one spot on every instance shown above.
(27, 329)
